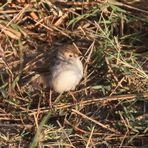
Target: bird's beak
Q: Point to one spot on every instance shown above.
(81, 57)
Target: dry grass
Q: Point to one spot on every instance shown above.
(112, 106)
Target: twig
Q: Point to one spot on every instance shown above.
(89, 140)
(104, 100)
(79, 3)
(114, 2)
(96, 122)
(28, 126)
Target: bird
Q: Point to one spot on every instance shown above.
(63, 71)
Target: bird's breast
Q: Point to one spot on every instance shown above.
(66, 78)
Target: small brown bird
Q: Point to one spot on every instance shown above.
(64, 70)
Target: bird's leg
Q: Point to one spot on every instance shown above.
(73, 97)
(50, 97)
(57, 99)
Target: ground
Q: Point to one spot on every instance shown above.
(112, 98)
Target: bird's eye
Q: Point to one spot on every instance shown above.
(70, 55)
